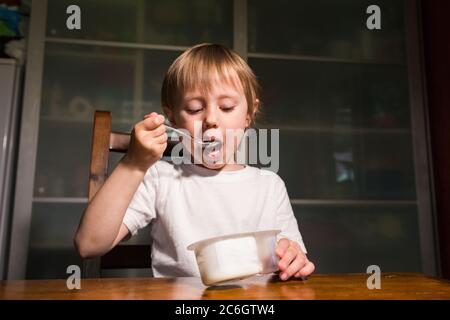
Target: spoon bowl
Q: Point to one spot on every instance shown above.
(205, 145)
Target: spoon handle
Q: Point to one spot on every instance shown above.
(178, 131)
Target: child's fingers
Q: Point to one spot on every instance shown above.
(158, 131)
(306, 270)
(287, 258)
(150, 115)
(161, 139)
(297, 264)
(282, 246)
(151, 123)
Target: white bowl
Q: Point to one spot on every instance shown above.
(236, 256)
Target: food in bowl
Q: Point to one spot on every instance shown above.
(236, 256)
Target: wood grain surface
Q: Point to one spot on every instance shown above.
(339, 286)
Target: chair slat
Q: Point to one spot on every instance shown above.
(119, 142)
(134, 256)
(98, 171)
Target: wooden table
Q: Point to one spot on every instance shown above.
(338, 286)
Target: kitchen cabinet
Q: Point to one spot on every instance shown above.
(348, 102)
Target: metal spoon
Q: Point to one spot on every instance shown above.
(203, 144)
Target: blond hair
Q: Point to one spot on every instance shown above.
(197, 66)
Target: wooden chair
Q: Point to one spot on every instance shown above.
(105, 141)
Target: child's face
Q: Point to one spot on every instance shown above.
(213, 115)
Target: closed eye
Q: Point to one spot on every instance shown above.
(193, 111)
(228, 109)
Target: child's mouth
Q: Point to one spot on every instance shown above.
(212, 148)
(212, 142)
(213, 154)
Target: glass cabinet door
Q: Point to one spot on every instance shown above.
(116, 62)
(338, 92)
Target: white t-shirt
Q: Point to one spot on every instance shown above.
(188, 203)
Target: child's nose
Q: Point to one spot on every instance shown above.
(210, 120)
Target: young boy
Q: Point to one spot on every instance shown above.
(207, 91)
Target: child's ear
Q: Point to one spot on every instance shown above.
(248, 120)
(256, 105)
(251, 116)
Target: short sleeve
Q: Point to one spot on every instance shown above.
(286, 220)
(142, 209)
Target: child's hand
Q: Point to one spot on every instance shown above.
(293, 262)
(148, 142)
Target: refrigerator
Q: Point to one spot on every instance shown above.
(10, 84)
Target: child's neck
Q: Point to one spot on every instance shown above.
(227, 167)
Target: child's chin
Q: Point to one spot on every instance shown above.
(213, 166)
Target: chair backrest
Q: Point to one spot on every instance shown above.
(105, 141)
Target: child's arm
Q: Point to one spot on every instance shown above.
(101, 226)
(290, 248)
